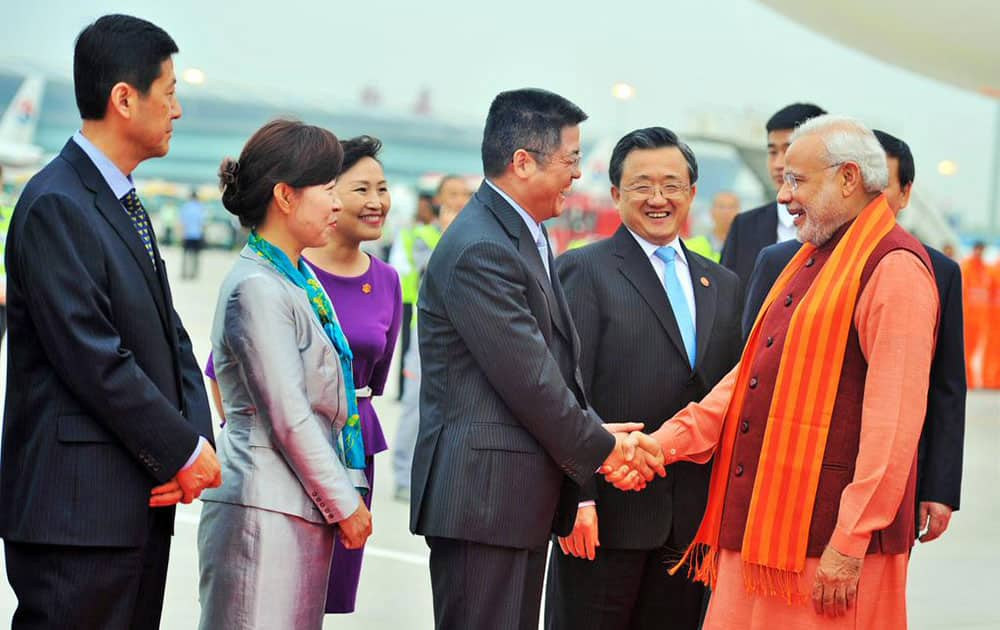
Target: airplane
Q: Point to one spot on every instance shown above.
(17, 127)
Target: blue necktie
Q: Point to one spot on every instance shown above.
(677, 300)
(140, 221)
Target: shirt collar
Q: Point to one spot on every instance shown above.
(533, 226)
(119, 183)
(650, 249)
(784, 217)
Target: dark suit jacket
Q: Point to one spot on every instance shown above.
(750, 232)
(634, 366)
(504, 425)
(104, 396)
(939, 468)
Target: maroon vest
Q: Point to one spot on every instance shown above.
(845, 426)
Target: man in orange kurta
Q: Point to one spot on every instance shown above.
(976, 283)
(811, 508)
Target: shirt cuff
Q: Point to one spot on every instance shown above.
(583, 504)
(194, 456)
(853, 545)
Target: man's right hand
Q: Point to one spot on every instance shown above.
(582, 541)
(636, 460)
(356, 528)
(205, 472)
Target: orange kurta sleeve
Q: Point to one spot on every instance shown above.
(693, 433)
(895, 318)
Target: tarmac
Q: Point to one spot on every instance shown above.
(949, 580)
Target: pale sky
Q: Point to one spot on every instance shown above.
(728, 58)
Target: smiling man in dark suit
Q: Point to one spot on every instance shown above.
(507, 436)
(765, 225)
(106, 424)
(659, 328)
(939, 461)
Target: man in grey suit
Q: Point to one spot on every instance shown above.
(611, 571)
(506, 434)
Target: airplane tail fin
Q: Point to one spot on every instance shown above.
(21, 117)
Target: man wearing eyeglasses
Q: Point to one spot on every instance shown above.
(658, 329)
(507, 435)
(941, 442)
(755, 229)
(813, 436)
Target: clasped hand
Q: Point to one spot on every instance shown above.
(187, 485)
(636, 459)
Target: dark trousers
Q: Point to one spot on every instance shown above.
(90, 588)
(3, 322)
(485, 587)
(189, 263)
(621, 590)
(404, 343)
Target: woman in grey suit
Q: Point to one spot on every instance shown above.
(290, 448)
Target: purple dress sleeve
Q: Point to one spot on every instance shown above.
(210, 368)
(381, 371)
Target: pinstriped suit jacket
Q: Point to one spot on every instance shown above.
(634, 366)
(506, 435)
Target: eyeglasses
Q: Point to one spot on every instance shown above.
(642, 192)
(793, 179)
(571, 160)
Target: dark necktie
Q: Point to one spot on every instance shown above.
(140, 220)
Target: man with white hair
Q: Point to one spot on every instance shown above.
(815, 432)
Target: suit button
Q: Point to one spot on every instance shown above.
(810, 262)
(788, 300)
(753, 382)
(770, 342)
(739, 470)
(744, 426)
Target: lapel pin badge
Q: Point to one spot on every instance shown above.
(704, 281)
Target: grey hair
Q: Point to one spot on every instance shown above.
(847, 140)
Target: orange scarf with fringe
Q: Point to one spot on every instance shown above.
(784, 490)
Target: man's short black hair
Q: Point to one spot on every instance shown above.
(649, 138)
(529, 119)
(790, 117)
(117, 48)
(896, 148)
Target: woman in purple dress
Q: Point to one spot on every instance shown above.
(365, 293)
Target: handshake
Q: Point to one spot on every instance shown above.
(636, 458)
(187, 484)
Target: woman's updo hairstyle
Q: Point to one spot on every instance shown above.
(288, 151)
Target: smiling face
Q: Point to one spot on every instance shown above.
(312, 215)
(363, 191)
(152, 118)
(818, 199)
(655, 194)
(553, 176)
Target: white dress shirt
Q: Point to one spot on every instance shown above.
(680, 267)
(786, 225)
(541, 243)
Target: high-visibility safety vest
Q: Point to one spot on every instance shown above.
(703, 245)
(5, 214)
(418, 243)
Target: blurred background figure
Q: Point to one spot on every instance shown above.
(193, 235)
(976, 286)
(725, 207)
(408, 256)
(452, 195)
(991, 352)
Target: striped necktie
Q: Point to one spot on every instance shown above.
(140, 221)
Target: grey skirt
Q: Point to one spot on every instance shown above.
(261, 569)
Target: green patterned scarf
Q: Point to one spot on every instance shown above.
(351, 441)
